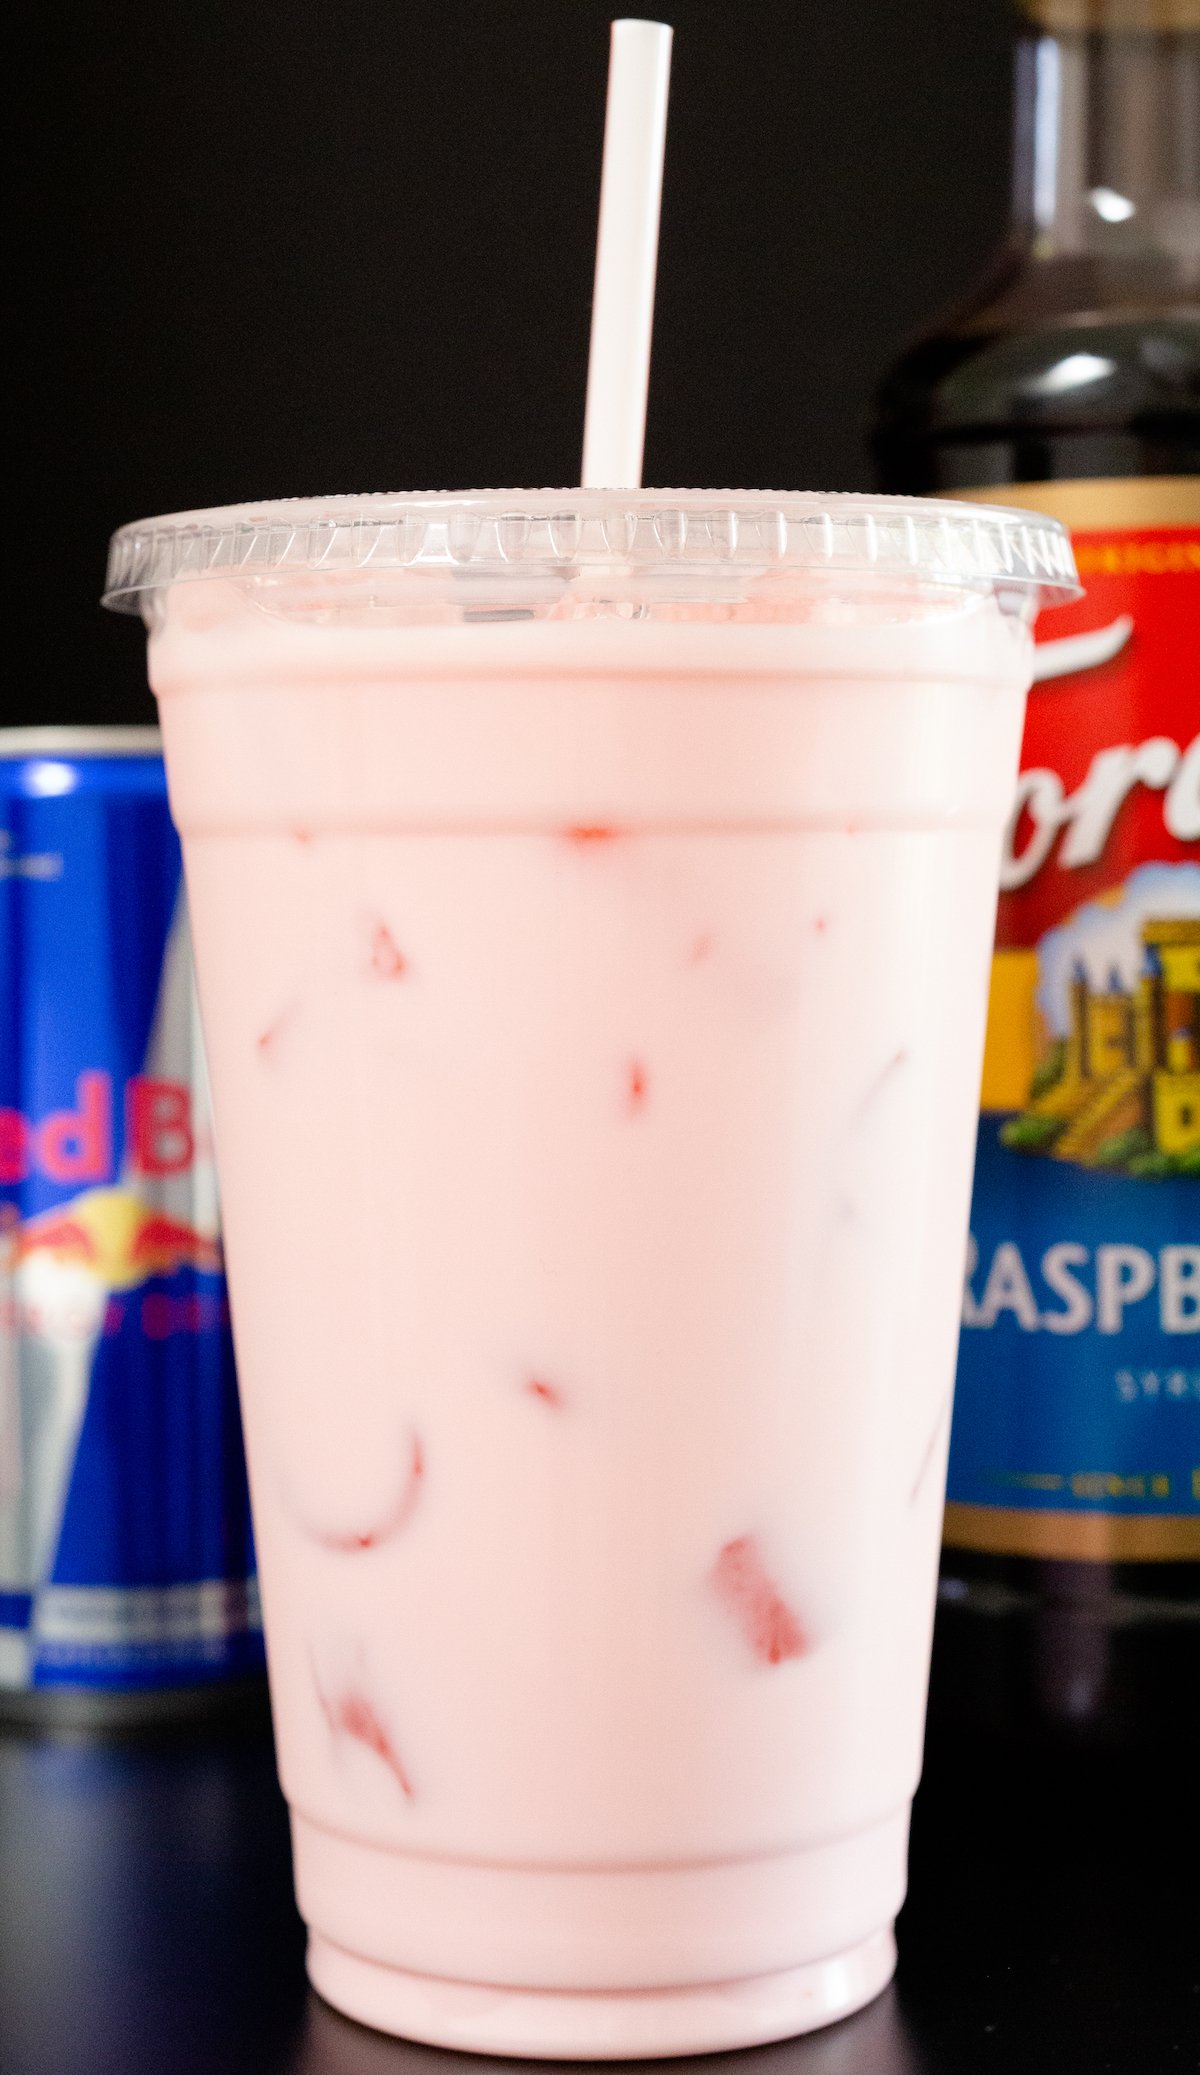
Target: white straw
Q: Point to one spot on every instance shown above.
(635, 130)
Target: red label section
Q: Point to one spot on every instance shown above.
(1111, 757)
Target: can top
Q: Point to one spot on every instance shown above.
(678, 539)
(80, 742)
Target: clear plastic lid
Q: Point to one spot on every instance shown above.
(671, 543)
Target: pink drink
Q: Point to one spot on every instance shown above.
(594, 1002)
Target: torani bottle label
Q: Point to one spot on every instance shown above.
(1077, 1417)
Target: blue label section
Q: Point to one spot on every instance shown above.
(1079, 1364)
(159, 1489)
(158, 1495)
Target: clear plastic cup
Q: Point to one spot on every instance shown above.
(593, 900)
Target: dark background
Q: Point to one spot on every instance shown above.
(276, 247)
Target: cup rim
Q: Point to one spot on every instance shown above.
(638, 534)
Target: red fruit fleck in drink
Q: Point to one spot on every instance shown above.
(546, 1393)
(351, 1714)
(397, 1517)
(637, 1086)
(387, 960)
(268, 1039)
(590, 832)
(748, 1592)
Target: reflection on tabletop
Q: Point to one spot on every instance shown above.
(873, 2042)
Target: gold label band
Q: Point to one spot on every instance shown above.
(1097, 503)
(1076, 1537)
(1080, 17)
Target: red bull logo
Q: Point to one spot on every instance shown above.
(76, 1145)
(114, 1233)
(65, 1237)
(119, 1237)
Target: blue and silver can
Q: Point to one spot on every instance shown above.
(127, 1586)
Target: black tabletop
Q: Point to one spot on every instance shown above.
(147, 1925)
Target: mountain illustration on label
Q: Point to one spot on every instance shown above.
(1116, 1012)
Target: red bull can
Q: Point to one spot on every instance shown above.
(127, 1578)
